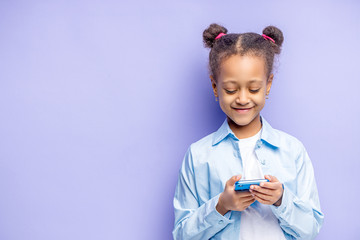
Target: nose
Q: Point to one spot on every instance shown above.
(242, 97)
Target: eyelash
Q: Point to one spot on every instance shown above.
(232, 92)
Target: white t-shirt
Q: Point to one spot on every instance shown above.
(257, 221)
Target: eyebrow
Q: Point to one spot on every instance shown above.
(251, 81)
(259, 81)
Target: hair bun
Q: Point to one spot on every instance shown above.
(211, 33)
(276, 34)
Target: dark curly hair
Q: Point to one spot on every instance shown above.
(242, 44)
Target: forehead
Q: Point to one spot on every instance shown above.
(242, 69)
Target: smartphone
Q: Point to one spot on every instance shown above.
(244, 185)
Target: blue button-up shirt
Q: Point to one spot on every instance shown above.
(211, 161)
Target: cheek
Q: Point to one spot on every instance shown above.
(260, 97)
(260, 100)
(226, 100)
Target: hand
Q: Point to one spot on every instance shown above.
(269, 193)
(233, 200)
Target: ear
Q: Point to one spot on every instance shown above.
(268, 84)
(214, 86)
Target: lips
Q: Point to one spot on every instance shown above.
(242, 110)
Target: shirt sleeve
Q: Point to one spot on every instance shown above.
(299, 214)
(192, 220)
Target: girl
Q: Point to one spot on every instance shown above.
(245, 147)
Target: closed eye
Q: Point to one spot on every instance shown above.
(254, 91)
(230, 92)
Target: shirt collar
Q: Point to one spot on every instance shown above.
(268, 134)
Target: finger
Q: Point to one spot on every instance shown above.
(263, 195)
(241, 206)
(233, 180)
(249, 202)
(262, 200)
(246, 198)
(264, 191)
(271, 185)
(271, 178)
(243, 193)
(274, 179)
(268, 177)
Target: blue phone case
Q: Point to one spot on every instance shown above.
(244, 185)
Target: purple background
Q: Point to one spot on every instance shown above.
(99, 101)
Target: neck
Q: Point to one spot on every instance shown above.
(245, 131)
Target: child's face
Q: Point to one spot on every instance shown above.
(237, 90)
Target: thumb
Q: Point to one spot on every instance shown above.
(233, 180)
(271, 178)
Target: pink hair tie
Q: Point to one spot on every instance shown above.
(220, 35)
(267, 37)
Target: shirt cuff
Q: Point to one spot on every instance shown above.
(286, 200)
(214, 217)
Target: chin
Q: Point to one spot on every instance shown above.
(243, 121)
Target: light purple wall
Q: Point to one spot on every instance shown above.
(99, 101)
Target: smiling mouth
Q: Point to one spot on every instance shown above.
(242, 110)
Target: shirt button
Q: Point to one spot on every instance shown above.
(221, 221)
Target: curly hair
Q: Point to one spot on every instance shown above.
(242, 44)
